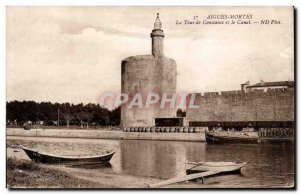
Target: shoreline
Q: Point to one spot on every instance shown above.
(27, 174)
(89, 178)
(106, 134)
(24, 173)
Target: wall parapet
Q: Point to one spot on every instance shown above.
(239, 92)
(256, 105)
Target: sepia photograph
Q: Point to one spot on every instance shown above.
(150, 97)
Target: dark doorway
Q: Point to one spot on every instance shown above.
(168, 122)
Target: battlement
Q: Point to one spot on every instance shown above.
(249, 93)
(231, 92)
(211, 94)
(254, 105)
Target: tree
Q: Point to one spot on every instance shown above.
(22, 111)
(114, 116)
(68, 117)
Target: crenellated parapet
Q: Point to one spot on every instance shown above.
(255, 105)
(255, 93)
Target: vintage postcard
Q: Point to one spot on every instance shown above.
(150, 97)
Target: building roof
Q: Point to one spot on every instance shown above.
(139, 57)
(272, 84)
(146, 57)
(157, 24)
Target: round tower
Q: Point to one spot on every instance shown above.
(157, 36)
(146, 74)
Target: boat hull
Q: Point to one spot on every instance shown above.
(52, 159)
(222, 167)
(217, 138)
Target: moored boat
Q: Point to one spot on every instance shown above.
(230, 137)
(43, 157)
(222, 167)
(201, 170)
(277, 135)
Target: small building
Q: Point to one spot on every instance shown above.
(269, 85)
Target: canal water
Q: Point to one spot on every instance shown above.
(267, 165)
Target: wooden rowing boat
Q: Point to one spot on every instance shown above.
(43, 157)
(184, 178)
(200, 170)
(232, 137)
(224, 167)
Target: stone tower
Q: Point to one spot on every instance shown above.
(146, 74)
(157, 36)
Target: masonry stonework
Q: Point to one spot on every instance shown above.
(147, 74)
(235, 106)
(155, 73)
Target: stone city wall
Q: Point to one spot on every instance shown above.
(258, 105)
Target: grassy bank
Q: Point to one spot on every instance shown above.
(27, 174)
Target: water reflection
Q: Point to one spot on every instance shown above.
(92, 166)
(267, 165)
(149, 158)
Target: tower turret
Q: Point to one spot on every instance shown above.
(144, 75)
(157, 36)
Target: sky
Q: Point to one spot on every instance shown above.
(74, 54)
